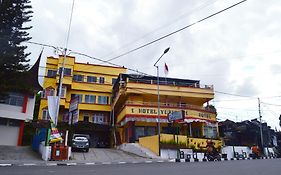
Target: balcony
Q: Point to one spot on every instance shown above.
(172, 105)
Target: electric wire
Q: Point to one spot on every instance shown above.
(174, 32)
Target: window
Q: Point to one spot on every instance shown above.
(101, 80)
(86, 118)
(91, 79)
(51, 73)
(45, 114)
(90, 99)
(47, 92)
(102, 100)
(78, 77)
(98, 118)
(210, 131)
(77, 95)
(113, 81)
(14, 99)
(63, 92)
(66, 71)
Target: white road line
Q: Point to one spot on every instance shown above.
(71, 164)
(91, 163)
(122, 162)
(160, 161)
(172, 160)
(5, 164)
(148, 161)
(51, 164)
(106, 163)
(29, 164)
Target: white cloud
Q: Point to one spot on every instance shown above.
(237, 51)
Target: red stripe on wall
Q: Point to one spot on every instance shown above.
(24, 106)
(20, 133)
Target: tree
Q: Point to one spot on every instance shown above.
(13, 60)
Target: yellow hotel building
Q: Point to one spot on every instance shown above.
(90, 83)
(135, 106)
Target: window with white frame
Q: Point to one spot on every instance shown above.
(101, 80)
(98, 118)
(91, 79)
(90, 99)
(14, 99)
(45, 114)
(78, 77)
(103, 100)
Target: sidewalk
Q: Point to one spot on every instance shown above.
(24, 156)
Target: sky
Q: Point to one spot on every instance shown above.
(237, 51)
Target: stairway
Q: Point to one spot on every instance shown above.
(136, 149)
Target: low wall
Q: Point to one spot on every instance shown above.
(45, 151)
(151, 143)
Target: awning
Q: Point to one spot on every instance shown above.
(154, 119)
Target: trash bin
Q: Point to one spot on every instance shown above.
(59, 152)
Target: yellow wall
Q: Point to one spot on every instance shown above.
(151, 143)
(153, 111)
(84, 88)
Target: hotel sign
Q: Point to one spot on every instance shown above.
(164, 112)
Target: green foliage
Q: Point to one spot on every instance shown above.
(13, 60)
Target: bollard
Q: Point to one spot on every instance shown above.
(181, 155)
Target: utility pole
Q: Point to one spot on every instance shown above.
(260, 124)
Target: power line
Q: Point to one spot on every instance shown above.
(172, 33)
(201, 6)
(237, 95)
(271, 104)
(85, 55)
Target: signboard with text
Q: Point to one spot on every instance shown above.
(176, 116)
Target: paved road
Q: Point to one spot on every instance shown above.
(247, 167)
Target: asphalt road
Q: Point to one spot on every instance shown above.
(247, 167)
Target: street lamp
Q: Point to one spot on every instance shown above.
(158, 97)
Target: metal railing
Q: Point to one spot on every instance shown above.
(175, 105)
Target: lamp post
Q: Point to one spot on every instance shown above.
(158, 98)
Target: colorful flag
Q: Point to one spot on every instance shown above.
(55, 135)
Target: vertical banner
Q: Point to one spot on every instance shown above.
(73, 110)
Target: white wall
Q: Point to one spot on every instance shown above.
(30, 106)
(9, 135)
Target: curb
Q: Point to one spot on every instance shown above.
(223, 159)
(121, 162)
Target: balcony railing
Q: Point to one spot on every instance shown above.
(171, 83)
(174, 105)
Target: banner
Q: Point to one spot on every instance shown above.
(52, 107)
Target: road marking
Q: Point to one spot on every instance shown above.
(91, 163)
(122, 162)
(51, 164)
(172, 160)
(106, 163)
(148, 161)
(71, 164)
(135, 162)
(6, 164)
(160, 161)
(29, 164)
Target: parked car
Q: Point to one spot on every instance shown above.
(80, 142)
